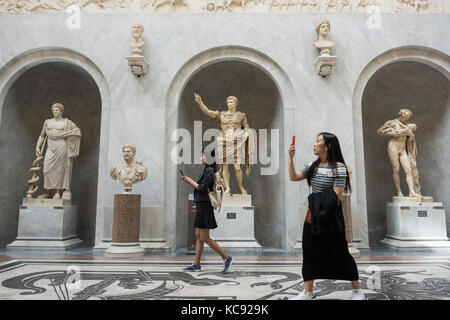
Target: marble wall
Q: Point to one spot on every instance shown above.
(144, 111)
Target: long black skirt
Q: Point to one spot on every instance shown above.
(326, 256)
(204, 216)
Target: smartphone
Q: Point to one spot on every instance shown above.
(181, 172)
(293, 141)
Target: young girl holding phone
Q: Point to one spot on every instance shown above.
(204, 217)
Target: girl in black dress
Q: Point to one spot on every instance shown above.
(325, 256)
(204, 217)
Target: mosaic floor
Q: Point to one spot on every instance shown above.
(254, 280)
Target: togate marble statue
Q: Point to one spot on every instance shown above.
(402, 151)
(129, 171)
(63, 139)
(235, 145)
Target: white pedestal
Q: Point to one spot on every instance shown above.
(46, 226)
(236, 227)
(415, 225)
(125, 250)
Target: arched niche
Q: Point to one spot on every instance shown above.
(430, 57)
(285, 232)
(26, 104)
(260, 99)
(425, 91)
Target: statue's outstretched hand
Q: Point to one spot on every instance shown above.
(197, 98)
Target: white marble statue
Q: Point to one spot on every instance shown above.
(129, 171)
(325, 45)
(235, 145)
(63, 139)
(402, 150)
(325, 61)
(137, 30)
(136, 61)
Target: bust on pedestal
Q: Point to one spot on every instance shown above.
(49, 222)
(127, 207)
(413, 222)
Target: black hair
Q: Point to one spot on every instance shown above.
(334, 155)
(210, 160)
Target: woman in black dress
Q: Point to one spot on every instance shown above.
(204, 217)
(326, 255)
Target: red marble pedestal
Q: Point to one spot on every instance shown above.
(125, 233)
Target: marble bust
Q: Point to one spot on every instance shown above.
(137, 30)
(136, 61)
(325, 45)
(235, 145)
(129, 171)
(63, 139)
(402, 151)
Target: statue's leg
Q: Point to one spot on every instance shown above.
(238, 171)
(415, 175)
(57, 195)
(393, 157)
(226, 178)
(404, 160)
(67, 195)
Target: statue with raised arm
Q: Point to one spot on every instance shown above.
(63, 139)
(402, 150)
(235, 145)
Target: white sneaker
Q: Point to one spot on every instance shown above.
(358, 295)
(303, 296)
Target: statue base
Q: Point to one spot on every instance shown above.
(46, 202)
(235, 221)
(412, 199)
(416, 225)
(48, 225)
(139, 65)
(324, 64)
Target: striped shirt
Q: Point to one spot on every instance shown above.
(327, 177)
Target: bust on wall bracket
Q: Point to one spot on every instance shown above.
(137, 61)
(325, 61)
